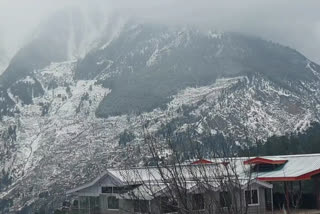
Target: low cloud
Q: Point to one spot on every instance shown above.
(290, 22)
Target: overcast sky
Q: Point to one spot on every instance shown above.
(295, 23)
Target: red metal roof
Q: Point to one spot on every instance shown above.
(202, 161)
(259, 160)
(306, 176)
(287, 167)
(293, 168)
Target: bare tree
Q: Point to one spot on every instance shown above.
(177, 185)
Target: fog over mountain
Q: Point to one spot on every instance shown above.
(292, 23)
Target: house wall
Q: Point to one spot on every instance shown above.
(212, 200)
(261, 207)
(212, 203)
(125, 206)
(90, 191)
(155, 206)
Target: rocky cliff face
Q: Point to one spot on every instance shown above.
(68, 112)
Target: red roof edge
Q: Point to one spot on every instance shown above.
(258, 160)
(204, 161)
(303, 177)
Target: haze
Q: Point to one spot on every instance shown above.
(293, 23)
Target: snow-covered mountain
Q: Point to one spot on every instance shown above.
(70, 94)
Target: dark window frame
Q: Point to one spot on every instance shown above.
(198, 203)
(116, 189)
(106, 190)
(252, 199)
(225, 199)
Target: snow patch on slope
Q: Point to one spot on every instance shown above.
(193, 95)
(113, 31)
(36, 128)
(60, 143)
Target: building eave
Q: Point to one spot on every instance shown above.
(90, 184)
(307, 176)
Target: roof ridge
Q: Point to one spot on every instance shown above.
(162, 167)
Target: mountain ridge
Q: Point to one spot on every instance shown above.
(63, 121)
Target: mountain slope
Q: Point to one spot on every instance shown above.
(63, 117)
(146, 64)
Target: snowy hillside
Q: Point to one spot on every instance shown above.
(57, 142)
(62, 118)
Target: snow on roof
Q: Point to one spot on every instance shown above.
(148, 191)
(188, 172)
(145, 192)
(93, 182)
(297, 167)
(133, 176)
(287, 168)
(84, 186)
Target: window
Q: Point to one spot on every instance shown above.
(106, 189)
(113, 203)
(169, 205)
(252, 197)
(197, 202)
(225, 199)
(264, 167)
(115, 190)
(121, 190)
(141, 206)
(75, 203)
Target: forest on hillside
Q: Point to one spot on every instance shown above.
(307, 142)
